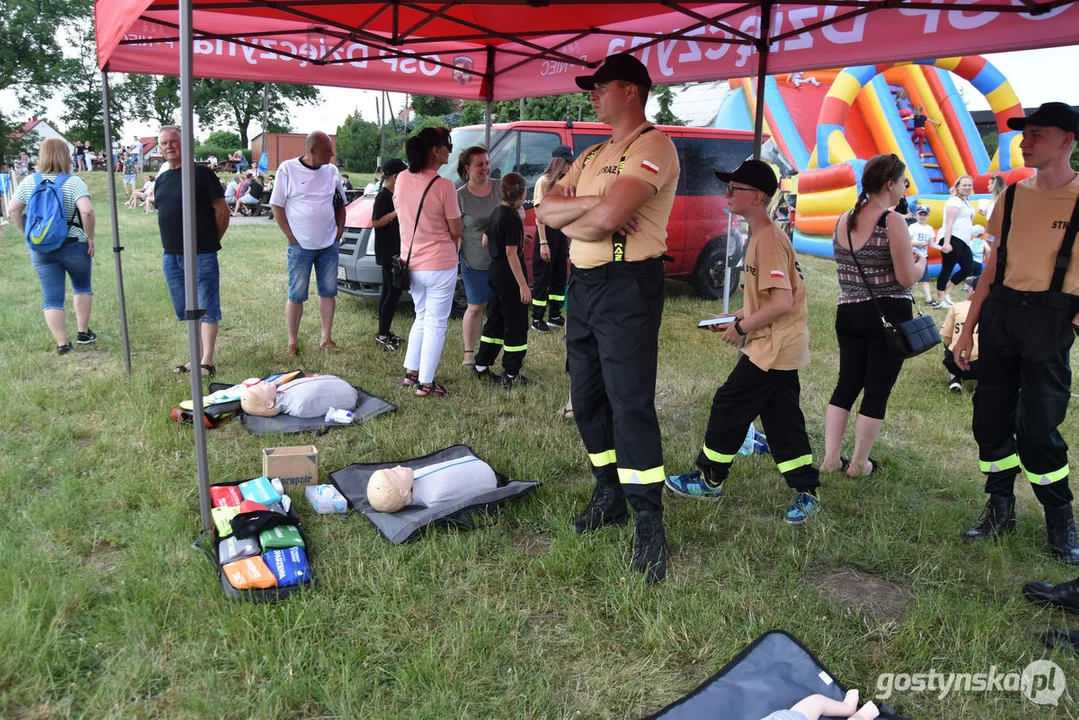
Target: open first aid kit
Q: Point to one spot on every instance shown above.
(258, 542)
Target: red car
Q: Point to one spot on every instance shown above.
(698, 227)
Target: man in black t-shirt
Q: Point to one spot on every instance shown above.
(387, 244)
(211, 222)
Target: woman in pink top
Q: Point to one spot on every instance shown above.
(429, 246)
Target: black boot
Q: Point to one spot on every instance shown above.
(1060, 525)
(650, 546)
(607, 507)
(998, 518)
(1064, 596)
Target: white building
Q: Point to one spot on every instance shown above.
(43, 129)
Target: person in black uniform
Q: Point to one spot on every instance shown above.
(1026, 313)
(614, 202)
(506, 328)
(387, 244)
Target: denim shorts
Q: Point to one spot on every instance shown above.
(300, 261)
(249, 200)
(476, 288)
(209, 279)
(71, 259)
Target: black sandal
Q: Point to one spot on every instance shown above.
(181, 369)
(208, 370)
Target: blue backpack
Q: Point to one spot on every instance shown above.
(46, 222)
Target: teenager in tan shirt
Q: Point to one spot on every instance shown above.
(772, 330)
(1025, 310)
(614, 202)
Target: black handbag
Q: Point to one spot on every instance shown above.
(908, 338)
(398, 269)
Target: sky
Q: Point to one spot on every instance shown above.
(1030, 73)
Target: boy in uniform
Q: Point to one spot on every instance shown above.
(1025, 310)
(506, 328)
(773, 332)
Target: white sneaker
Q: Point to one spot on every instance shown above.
(955, 386)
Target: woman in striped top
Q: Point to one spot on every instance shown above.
(74, 259)
(875, 238)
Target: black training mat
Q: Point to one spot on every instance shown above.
(773, 673)
(406, 523)
(367, 407)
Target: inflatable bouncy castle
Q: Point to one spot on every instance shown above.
(828, 123)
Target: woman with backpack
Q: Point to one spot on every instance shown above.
(52, 209)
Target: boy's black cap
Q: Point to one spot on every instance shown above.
(758, 175)
(622, 67)
(1052, 114)
(393, 166)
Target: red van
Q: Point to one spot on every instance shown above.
(697, 229)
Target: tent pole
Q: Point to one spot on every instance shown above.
(762, 73)
(116, 248)
(758, 125)
(490, 84)
(487, 125)
(193, 313)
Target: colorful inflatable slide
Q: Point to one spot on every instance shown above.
(828, 123)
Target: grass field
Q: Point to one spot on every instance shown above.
(106, 611)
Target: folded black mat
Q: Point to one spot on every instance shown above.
(773, 673)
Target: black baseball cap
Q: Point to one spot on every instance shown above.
(563, 151)
(622, 67)
(1052, 114)
(758, 175)
(393, 166)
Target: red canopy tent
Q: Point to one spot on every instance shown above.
(507, 49)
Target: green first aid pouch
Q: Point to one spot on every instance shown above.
(240, 537)
(282, 536)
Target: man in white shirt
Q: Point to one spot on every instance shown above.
(308, 203)
(231, 189)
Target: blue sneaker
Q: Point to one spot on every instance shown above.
(804, 506)
(694, 485)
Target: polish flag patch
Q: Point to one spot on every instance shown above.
(778, 274)
(650, 167)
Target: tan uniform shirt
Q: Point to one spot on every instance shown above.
(650, 157)
(1039, 219)
(953, 327)
(770, 263)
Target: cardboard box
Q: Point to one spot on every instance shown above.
(295, 466)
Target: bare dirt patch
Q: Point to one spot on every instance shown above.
(863, 592)
(105, 557)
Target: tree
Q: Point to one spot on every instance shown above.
(573, 107)
(665, 98)
(220, 144)
(430, 106)
(153, 97)
(358, 144)
(30, 53)
(241, 103)
(82, 97)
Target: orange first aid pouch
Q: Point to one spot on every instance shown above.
(249, 573)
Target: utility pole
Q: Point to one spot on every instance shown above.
(522, 113)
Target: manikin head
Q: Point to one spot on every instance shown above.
(260, 399)
(390, 490)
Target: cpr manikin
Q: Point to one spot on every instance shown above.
(260, 399)
(815, 706)
(391, 489)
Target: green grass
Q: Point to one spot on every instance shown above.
(105, 611)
